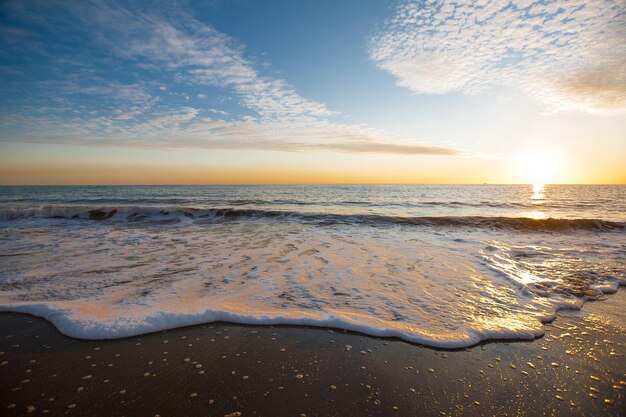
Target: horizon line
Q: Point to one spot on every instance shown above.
(294, 184)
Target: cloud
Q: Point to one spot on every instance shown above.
(171, 53)
(184, 130)
(170, 120)
(567, 54)
(107, 88)
(391, 148)
(199, 53)
(599, 89)
(218, 111)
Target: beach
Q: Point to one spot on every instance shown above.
(361, 208)
(221, 369)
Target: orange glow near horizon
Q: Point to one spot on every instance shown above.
(55, 165)
(101, 174)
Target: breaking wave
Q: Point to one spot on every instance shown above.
(175, 215)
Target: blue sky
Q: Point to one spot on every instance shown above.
(468, 82)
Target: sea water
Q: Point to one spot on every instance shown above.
(442, 265)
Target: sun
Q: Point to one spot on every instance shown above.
(540, 167)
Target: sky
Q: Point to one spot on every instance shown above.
(234, 91)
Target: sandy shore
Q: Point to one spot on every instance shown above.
(578, 368)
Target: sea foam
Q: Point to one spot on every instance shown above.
(101, 276)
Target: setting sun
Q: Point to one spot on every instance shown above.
(540, 168)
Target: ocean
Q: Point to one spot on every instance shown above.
(441, 265)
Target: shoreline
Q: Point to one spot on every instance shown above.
(218, 369)
(67, 327)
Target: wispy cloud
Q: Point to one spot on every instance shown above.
(366, 146)
(571, 55)
(199, 53)
(182, 129)
(190, 54)
(107, 88)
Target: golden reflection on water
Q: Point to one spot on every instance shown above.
(538, 193)
(537, 215)
(537, 198)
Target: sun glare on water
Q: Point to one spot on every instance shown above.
(537, 199)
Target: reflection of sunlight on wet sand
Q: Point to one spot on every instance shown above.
(608, 313)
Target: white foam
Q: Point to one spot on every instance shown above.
(106, 280)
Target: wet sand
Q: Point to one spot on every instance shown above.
(577, 368)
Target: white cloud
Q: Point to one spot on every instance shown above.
(199, 53)
(568, 54)
(184, 129)
(107, 88)
(218, 111)
(168, 121)
(195, 54)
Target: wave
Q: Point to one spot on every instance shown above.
(186, 215)
(236, 202)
